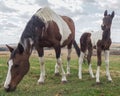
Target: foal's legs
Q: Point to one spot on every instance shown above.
(82, 54)
(89, 61)
(42, 66)
(68, 58)
(57, 69)
(98, 64)
(68, 61)
(107, 65)
(59, 63)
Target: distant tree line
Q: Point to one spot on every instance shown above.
(3, 49)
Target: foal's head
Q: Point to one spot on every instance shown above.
(107, 20)
(18, 66)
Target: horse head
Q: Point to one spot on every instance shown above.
(18, 66)
(107, 20)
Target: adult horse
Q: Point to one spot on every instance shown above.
(99, 40)
(44, 29)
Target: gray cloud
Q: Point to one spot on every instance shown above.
(89, 1)
(4, 8)
(65, 11)
(86, 16)
(4, 26)
(25, 16)
(42, 2)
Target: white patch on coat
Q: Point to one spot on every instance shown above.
(90, 71)
(80, 64)
(8, 78)
(25, 43)
(46, 14)
(42, 68)
(31, 41)
(95, 36)
(98, 74)
(31, 44)
(57, 68)
(59, 62)
(107, 65)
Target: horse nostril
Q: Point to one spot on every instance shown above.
(7, 89)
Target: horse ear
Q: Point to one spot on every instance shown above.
(105, 13)
(10, 48)
(20, 48)
(113, 14)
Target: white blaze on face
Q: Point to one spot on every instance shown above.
(8, 78)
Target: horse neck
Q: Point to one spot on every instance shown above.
(106, 35)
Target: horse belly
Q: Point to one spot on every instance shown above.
(45, 44)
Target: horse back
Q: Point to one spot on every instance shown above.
(53, 36)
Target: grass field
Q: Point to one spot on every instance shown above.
(53, 86)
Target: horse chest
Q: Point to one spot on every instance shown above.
(95, 37)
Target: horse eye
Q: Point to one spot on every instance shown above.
(16, 66)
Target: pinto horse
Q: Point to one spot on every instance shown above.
(44, 29)
(99, 40)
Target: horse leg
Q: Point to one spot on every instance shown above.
(89, 61)
(82, 54)
(107, 65)
(42, 66)
(68, 58)
(57, 69)
(98, 65)
(59, 62)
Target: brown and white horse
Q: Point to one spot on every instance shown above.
(99, 40)
(44, 29)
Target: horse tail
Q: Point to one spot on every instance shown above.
(77, 49)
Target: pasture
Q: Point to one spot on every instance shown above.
(53, 86)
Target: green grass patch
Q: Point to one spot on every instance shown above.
(53, 86)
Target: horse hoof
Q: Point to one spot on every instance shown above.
(40, 83)
(93, 77)
(98, 83)
(80, 78)
(68, 74)
(57, 74)
(110, 81)
(63, 82)
(58, 94)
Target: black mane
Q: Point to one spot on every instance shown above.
(30, 29)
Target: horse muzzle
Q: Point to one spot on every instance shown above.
(103, 27)
(10, 89)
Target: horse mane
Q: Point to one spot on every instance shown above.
(47, 14)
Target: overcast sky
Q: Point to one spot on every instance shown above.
(87, 15)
